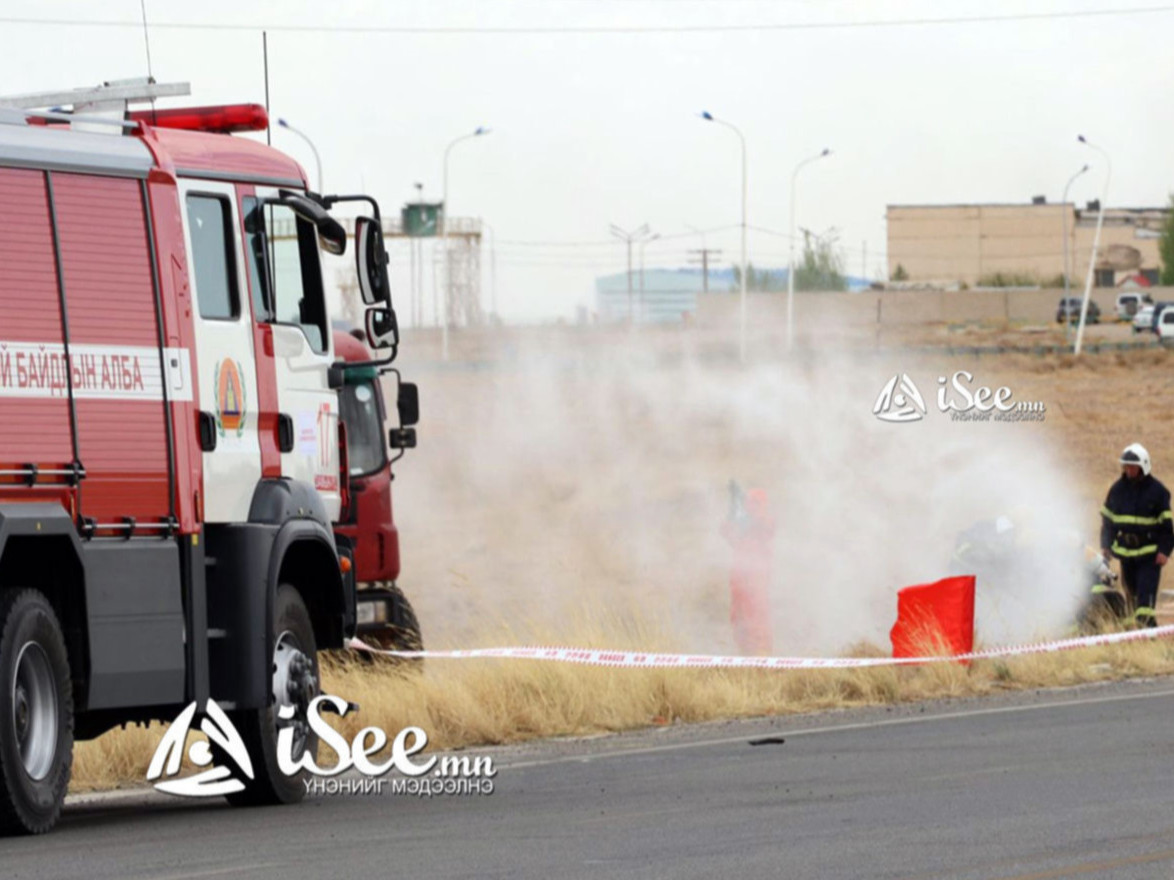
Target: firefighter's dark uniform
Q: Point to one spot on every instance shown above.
(1136, 525)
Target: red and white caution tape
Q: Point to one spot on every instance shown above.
(643, 660)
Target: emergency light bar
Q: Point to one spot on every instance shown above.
(221, 119)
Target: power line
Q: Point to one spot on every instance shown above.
(570, 243)
(605, 29)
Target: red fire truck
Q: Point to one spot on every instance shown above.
(172, 460)
(385, 614)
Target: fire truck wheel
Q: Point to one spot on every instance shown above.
(406, 628)
(295, 683)
(400, 633)
(36, 714)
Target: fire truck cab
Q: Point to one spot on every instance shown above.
(385, 615)
(172, 464)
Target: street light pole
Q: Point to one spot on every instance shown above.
(1064, 226)
(709, 117)
(492, 268)
(791, 258)
(1096, 240)
(628, 238)
(480, 130)
(313, 149)
(643, 301)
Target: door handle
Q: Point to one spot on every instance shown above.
(207, 425)
(285, 433)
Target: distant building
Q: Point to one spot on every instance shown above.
(668, 295)
(1009, 244)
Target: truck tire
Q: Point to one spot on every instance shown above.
(400, 633)
(295, 675)
(36, 714)
(404, 631)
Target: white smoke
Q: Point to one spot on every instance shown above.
(593, 477)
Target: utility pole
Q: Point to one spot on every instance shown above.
(703, 259)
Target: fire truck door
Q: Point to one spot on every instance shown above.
(286, 265)
(224, 349)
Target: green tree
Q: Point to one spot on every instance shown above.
(1166, 246)
(899, 274)
(822, 267)
(757, 279)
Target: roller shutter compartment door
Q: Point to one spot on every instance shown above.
(34, 406)
(114, 344)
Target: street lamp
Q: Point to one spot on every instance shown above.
(478, 132)
(643, 302)
(492, 269)
(709, 117)
(628, 238)
(1064, 226)
(1096, 240)
(791, 258)
(313, 149)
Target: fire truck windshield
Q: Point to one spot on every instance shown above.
(284, 269)
(363, 417)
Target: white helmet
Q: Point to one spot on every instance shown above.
(1136, 454)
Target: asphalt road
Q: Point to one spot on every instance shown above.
(1073, 783)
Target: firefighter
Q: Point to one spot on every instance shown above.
(986, 549)
(1136, 528)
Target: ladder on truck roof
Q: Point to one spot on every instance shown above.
(113, 95)
(92, 106)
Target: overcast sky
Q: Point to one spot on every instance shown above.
(594, 128)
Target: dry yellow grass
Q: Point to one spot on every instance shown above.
(466, 703)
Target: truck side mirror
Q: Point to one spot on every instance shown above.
(407, 402)
(371, 262)
(330, 231)
(382, 327)
(402, 438)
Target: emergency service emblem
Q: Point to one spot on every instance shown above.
(230, 397)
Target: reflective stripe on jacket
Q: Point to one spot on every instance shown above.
(1136, 519)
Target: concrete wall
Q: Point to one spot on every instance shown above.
(904, 307)
(967, 242)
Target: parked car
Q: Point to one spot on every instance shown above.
(1143, 321)
(1158, 308)
(1129, 303)
(1165, 325)
(1070, 306)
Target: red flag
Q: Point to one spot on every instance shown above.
(937, 617)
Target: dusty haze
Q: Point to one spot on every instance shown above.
(560, 488)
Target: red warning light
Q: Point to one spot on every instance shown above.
(222, 119)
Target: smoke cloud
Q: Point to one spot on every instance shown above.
(575, 481)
